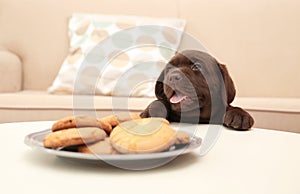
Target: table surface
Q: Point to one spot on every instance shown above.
(256, 161)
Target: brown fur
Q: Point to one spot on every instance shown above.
(209, 90)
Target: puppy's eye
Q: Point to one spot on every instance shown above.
(196, 67)
(168, 67)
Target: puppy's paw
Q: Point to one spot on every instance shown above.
(155, 109)
(238, 119)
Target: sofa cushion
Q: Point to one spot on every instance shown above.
(122, 51)
(10, 71)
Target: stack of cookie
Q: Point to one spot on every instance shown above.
(115, 134)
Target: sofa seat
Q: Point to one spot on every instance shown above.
(271, 113)
(39, 105)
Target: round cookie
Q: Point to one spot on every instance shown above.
(100, 147)
(148, 135)
(75, 121)
(73, 136)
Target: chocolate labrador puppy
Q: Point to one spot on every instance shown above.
(195, 88)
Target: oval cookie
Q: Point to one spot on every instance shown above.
(75, 121)
(109, 122)
(100, 147)
(148, 135)
(73, 136)
(182, 138)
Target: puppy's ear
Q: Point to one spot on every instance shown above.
(159, 87)
(229, 86)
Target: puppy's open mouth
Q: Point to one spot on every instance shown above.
(178, 97)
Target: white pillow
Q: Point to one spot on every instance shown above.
(116, 55)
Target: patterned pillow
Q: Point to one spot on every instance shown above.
(116, 55)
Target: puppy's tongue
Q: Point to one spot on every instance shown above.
(177, 97)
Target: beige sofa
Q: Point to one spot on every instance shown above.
(258, 40)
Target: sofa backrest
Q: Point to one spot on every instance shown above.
(258, 40)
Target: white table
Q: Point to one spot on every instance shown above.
(258, 161)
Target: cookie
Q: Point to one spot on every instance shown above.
(109, 122)
(148, 135)
(75, 122)
(100, 147)
(182, 138)
(73, 136)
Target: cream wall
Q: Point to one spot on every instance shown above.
(259, 40)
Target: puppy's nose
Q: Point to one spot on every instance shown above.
(175, 77)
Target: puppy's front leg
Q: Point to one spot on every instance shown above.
(238, 119)
(156, 109)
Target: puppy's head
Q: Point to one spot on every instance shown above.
(191, 79)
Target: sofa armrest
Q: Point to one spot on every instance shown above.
(10, 71)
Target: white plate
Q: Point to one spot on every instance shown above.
(128, 161)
